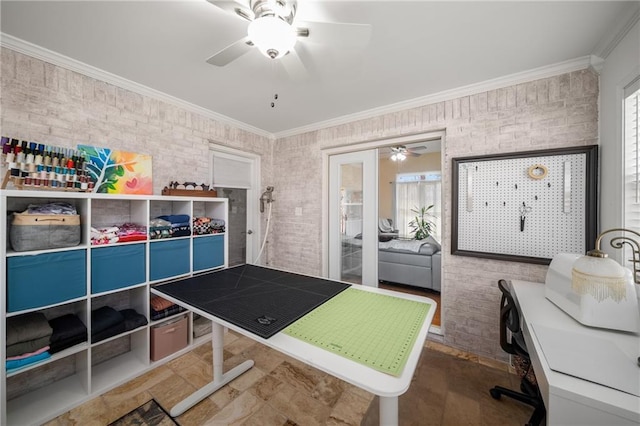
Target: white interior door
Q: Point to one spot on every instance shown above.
(237, 175)
(353, 206)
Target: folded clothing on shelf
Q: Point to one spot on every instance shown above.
(52, 208)
(180, 224)
(159, 303)
(107, 322)
(132, 319)
(176, 219)
(159, 228)
(104, 318)
(27, 333)
(207, 225)
(27, 355)
(131, 232)
(68, 330)
(166, 312)
(28, 346)
(124, 233)
(162, 308)
(100, 236)
(27, 327)
(16, 364)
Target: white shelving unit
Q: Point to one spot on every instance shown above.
(117, 275)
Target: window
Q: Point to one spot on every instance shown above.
(414, 191)
(631, 159)
(231, 171)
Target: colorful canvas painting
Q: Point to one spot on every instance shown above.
(118, 172)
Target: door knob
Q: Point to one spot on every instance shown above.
(249, 232)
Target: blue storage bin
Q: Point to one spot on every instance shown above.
(117, 267)
(168, 258)
(208, 252)
(34, 281)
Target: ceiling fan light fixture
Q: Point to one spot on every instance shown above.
(272, 36)
(398, 157)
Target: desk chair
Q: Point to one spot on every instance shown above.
(510, 322)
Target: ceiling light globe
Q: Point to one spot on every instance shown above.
(272, 36)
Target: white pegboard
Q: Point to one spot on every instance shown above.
(489, 206)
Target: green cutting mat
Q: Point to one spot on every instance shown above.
(369, 328)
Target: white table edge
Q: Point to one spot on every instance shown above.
(378, 383)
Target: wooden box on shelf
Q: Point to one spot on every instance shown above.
(189, 189)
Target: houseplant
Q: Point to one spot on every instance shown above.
(422, 226)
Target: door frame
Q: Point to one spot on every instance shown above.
(369, 160)
(253, 216)
(375, 144)
(363, 146)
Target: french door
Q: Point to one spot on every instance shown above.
(353, 212)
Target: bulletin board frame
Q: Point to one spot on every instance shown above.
(519, 197)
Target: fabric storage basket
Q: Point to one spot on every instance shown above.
(40, 232)
(169, 337)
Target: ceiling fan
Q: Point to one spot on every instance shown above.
(274, 30)
(400, 153)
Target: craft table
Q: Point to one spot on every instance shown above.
(211, 296)
(573, 397)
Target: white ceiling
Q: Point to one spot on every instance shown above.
(417, 48)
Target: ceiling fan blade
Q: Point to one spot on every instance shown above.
(339, 34)
(231, 52)
(239, 8)
(294, 65)
(412, 154)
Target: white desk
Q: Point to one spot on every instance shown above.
(570, 400)
(386, 386)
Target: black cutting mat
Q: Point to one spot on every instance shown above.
(257, 299)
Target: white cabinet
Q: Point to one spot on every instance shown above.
(80, 279)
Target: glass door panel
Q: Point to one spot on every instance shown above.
(352, 216)
(351, 222)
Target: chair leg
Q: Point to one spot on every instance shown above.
(497, 391)
(536, 402)
(538, 415)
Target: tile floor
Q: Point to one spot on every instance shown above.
(449, 388)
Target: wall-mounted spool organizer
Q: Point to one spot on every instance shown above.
(83, 278)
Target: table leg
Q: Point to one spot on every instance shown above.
(388, 410)
(219, 379)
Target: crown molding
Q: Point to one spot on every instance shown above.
(57, 59)
(608, 43)
(38, 52)
(446, 95)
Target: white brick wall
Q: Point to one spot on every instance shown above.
(52, 105)
(553, 112)
(45, 103)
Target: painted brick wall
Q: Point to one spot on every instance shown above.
(52, 105)
(554, 112)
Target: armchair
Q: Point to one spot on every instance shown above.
(386, 231)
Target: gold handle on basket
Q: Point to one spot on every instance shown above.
(49, 220)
